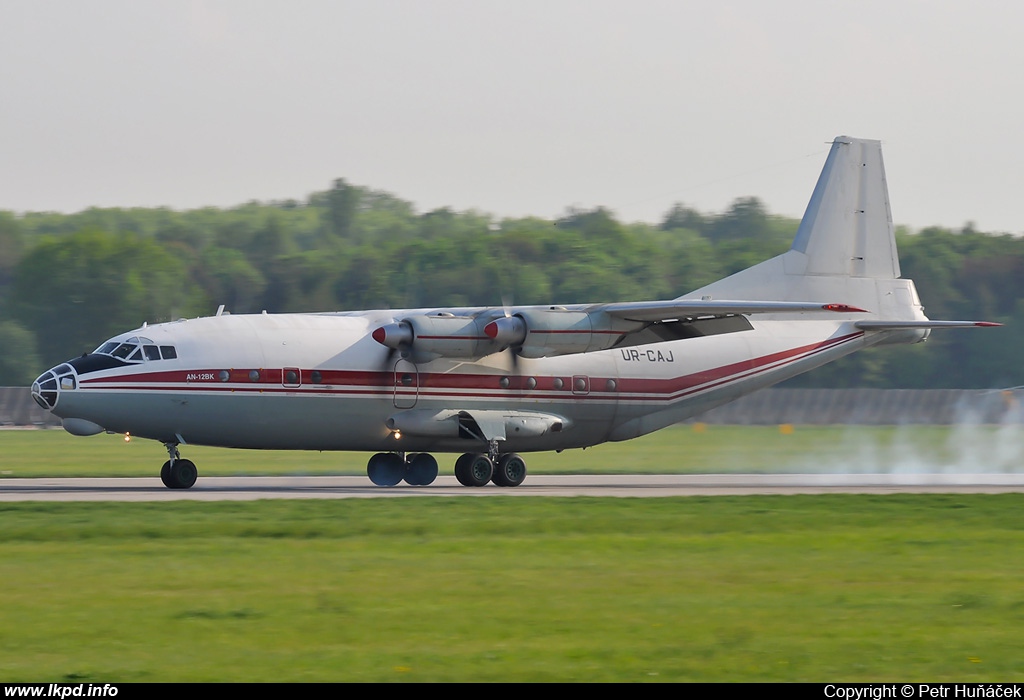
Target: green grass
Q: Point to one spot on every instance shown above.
(773, 588)
(681, 449)
(759, 588)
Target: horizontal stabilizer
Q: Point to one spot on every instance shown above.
(689, 308)
(920, 325)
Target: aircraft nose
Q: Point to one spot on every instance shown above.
(46, 388)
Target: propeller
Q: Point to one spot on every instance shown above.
(396, 337)
(509, 331)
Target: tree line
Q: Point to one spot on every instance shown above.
(69, 281)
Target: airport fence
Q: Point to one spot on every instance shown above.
(869, 407)
(768, 407)
(18, 410)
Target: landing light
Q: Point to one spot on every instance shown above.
(397, 434)
(127, 437)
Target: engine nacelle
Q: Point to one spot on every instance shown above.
(531, 333)
(438, 335)
(554, 331)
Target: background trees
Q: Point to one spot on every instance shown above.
(72, 292)
(67, 282)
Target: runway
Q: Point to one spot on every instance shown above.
(237, 488)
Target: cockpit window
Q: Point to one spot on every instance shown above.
(123, 350)
(137, 350)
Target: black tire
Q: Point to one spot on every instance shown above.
(385, 469)
(421, 470)
(165, 474)
(474, 469)
(462, 467)
(183, 474)
(510, 470)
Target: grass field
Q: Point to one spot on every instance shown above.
(757, 588)
(773, 588)
(682, 449)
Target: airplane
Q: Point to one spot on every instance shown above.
(492, 383)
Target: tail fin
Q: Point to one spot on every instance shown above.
(847, 228)
(844, 249)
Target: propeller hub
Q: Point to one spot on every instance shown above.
(510, 330)
(393, 335)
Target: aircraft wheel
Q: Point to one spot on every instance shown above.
(421, 470)
(461, 468)
(385, 469)
(510, 470)
(165, 474)
(181, 475)
(474, 469)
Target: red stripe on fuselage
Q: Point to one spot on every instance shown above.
(460, 385)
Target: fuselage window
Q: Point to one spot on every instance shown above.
(152, 352)
(168, 352)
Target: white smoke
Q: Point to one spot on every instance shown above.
(986, 437)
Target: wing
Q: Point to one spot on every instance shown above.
(536, 331)
(677, 309)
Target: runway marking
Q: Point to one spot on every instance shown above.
(240, 488)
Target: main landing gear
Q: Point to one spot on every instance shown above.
(471, 469)
(177, 473)
(388, 469)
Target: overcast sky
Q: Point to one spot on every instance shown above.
(514, 108)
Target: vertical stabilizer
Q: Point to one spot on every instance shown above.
(844, 249)
(847, 228)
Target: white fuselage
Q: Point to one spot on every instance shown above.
(320, 382)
